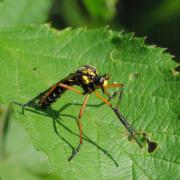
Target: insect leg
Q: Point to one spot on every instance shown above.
(121, 90)
(114, 85)
(126, 124)
(80, 116)
(43, 97)
(103, 99)
(79, 123)
(120, 86)
(120, 117)
(70, 88)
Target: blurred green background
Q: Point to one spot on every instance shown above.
(159, 20)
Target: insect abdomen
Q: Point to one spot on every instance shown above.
(56, 93)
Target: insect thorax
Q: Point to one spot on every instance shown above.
(88, 78)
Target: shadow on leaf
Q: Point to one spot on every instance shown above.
(32, 106)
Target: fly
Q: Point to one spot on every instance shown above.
(89, 80)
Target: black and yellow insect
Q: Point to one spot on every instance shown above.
(89, 80)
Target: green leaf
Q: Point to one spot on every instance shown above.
(104, 9)
(23, 12)
(20, 160)
(34, 58)
(91, 13)
(71, 13)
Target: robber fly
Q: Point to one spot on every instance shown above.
(89, 80)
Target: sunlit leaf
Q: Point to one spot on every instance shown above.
(34, 58)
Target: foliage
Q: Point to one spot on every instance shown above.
(23, 12)
(18, 158)
(34, 58)
(93, 13)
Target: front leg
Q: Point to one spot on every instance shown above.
(120, 91)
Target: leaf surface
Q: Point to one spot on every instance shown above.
(34, 58)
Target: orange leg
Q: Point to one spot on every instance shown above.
(120, 117)
(80, 116)
(103, 99)
(42, 99)
(45, 94)
(112, 86)
(61, 85)
(70, 88)
(80, 126)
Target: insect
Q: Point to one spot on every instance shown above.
(89, 80)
